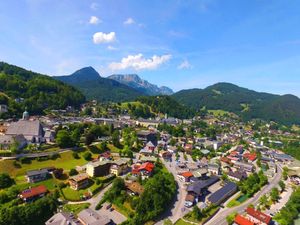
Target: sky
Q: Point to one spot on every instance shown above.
(177, 43)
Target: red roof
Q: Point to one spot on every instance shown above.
(186, 174)
(259, 215)
(234, 153)
(240, 220)
(250, 156)
(32, 192)
(225, 159)
(146, 166)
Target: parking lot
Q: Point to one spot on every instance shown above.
(114, 215)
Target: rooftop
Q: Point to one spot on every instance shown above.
(32, 192)
(259, 215)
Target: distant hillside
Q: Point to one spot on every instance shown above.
(244, 102)
(141, 85)
(39, 91)
(167, 105)
(93, 86)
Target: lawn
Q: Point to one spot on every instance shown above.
(218, 112)
(113, 148)
(65, 161)
(182, 222)
(237, 201)
(76, 208)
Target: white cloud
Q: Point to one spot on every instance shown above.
(94, 20)
(111, 48)
(100, 37)
(129, 21)
(94, 6)
(185, 65)
(138, 62)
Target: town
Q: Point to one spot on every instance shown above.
(117, 169)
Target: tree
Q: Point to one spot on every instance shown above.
(263, 200)
(75, 155)
(64, 140)
(5, 180)
(281, 185)
(285, 173)
(89, 138)
(115, 138)
(87, 156)
(230, 218)
(274, 194)
(196, 213)
(73, 172)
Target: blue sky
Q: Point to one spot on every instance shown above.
(179, 43)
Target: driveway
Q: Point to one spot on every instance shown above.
(114, 214)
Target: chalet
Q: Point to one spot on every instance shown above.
(240, 220)
(90, 217)
(200, 173)
(249, 156)
(189, 200)
(134, 188)
(258, 217)
(147, 123)
(98, 168)
(213, 169)
(34, 193)
(145, 136)
(49, 136)
(166, 155)
(151, 159)
(79, 181)
(119, 167)
(62, 218)
(237, 175)
(244, 166)
(105, 156)
(223, 193)
(185, 176)
(34, 176)
(145, 170)
(188, 148)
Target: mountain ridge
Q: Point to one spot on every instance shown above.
(135, 81)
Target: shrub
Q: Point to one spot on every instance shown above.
(75, 155)
(87, 156)
(73, 172)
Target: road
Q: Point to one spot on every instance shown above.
(220, 217)
(178, 210)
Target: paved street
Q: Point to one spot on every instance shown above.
(220, 217)
(178, 209)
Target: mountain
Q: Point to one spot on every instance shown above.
(141, 85)
(244, 102)
(93, 86)
(35, 91)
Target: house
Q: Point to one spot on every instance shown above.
(134, 188)
(250, 156)
(240, 220)
(32, 130)
(34, 193)
(8, 141)
(205, 152)
(217, 145)
(119, 166)
(151, 159)
(145, 136)
(185, 176)
(200, 173)
(49, 136)
(237, 175)
(189, 200)
(244, 166)
(79, 181)
(145, 170)
(147, 123)
(34, 176)
(150, 146)
(223, 193)
(258, 217)
(90, 217)
(98, 168)
(62, 218)
(166, 155)
(105, 156)
(213, 169)
(188, 148)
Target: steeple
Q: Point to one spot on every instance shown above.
(25, 115)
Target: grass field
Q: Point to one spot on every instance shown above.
(182, 222)
(218, 112)
(65, 161)
(237, 201)
(76, 208)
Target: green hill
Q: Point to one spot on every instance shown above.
(244, 102)
(93, 86)
(21, 88)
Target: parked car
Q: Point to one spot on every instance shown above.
(108, 206)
